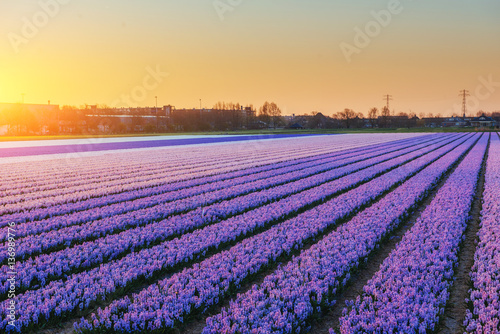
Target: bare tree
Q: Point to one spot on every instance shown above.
(372, 116)
(219, 106)
(264, 113)
(347, 116)
(275, 114)
(480, 113)
(385, 113)
(270, 112)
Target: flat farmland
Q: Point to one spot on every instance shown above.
(354, 233)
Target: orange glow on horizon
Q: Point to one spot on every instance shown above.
(287, 53)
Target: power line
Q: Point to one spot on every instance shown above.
(388, 98)
(464, 93)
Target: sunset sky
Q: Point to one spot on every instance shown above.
(288, 51)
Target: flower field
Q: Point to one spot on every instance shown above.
(251, 236)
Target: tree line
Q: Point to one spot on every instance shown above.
(223, 116)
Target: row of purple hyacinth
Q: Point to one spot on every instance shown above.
(154, 187)
(42, 173)
(233, 170)
(78, 291)
(110, 168)
(36, 183)
(34, 244)
(202, 184)
(159, 176)
(155, 171)
(485, 276)
(52, 266)
(203, 285)
(288, 298)
(168, 185)
(409, 292)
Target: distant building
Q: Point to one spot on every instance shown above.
(483, 121)
(296, 126)
(168, 110)
(458, 122)
(317, 121)
(433, 122)
(24, 117)
(400, 121)
(133, 123)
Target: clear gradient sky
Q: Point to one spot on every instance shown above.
(287, 51)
